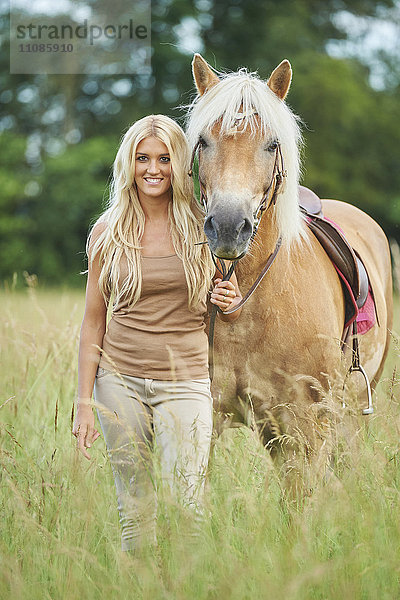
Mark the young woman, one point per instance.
(149, 369)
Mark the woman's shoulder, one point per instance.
(98, 228)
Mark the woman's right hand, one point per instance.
(83, 428)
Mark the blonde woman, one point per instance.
(149, 369)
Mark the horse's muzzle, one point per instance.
(228, 236)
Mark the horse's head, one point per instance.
(244, 133)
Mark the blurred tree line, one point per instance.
(59, 133)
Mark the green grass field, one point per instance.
(59, 531)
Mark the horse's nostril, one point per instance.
(240, 226)
(245, 229)
(209, 228)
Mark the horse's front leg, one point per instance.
(301, 434)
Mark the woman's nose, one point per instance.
(153, 167)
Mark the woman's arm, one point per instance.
(226, 295)
(92, 333)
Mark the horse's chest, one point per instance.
(256, 331)
(245, 351)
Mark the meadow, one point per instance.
(59, 529)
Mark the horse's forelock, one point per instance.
(241, 91)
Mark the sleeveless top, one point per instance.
(159, 337)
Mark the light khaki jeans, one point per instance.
(146, 418)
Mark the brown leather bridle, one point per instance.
(278, 174)
(268, 200)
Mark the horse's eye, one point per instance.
(273, 146)
(202, 142)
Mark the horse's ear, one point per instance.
(280, 79)
(203, 76)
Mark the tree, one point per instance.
(60, 132)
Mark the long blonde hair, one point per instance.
(125, 218)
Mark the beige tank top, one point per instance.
(159, 337)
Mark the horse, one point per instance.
(277, 364)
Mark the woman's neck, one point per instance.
(155, 209)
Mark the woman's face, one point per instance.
(152, 168)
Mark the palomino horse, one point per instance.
(280, 360)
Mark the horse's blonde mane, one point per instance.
(245, 92)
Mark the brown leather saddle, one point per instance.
(353, 276)
(348, 264)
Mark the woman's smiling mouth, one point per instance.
(153, 180)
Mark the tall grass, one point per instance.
(59, 529)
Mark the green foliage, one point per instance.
(72, 190)
(350, 135)
(49, 196)
(15, 219)
(46, 233)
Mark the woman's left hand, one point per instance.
(223, 294)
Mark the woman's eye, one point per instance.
(141, 158)
(273, 146)
(165, 159)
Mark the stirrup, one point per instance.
(370, 409)
(357, 367)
